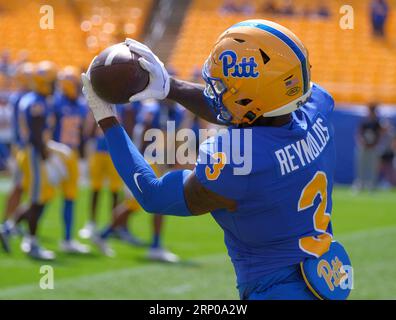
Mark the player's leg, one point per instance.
(41, 192)
(115, 182)
(157, 252)
(23, 178)
(15, 195)
(20, 214)
(120, 213)
(121, 218)
(13, 201)
(70, 189)
(21, 183)
(34, 250)
(7, 228)
(96, 171)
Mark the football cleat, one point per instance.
(25, 244)
(38, 253)
(162, 255)
(256, 68)
(73, 246)
(103, 247)
(88, 231)
(4, 239)
(124, 235)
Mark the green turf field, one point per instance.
(365, 223)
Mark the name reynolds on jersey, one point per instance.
(301, 153)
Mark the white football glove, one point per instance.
(55, 169)
(159, 84)
(99, 107)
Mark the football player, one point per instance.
(70, 113)
(275, 212)
(23, 80)
(42, 167)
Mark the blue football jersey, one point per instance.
(13, 101)
(136, 107)
(160, 114)
(282, 188)
(34, 105)
(69, 119)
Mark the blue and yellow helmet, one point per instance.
(256, 68)
(23, 75)
(69, 82)
(44, 77)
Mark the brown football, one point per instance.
(116, 74)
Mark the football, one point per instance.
(116, 74)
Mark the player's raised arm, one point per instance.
(177, 193)
(190, 95)
(161, 86)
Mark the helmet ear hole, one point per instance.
(265, 57)
(244, 102)
(250, 116)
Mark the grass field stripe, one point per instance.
(361, 233)
(85, 280)
(81, 283)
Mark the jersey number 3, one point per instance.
(316, 245)
(214, 172)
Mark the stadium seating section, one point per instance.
(350, 63)
(353, 65)
(78, 24)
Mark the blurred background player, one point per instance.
(35, 123)
(152, 115)
(369, 136)
(23, 80)
(70, 113)
(101, 171)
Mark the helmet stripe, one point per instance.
(297, 51)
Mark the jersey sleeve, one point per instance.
(320, 102)
(216, 171)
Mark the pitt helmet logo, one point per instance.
(243, 69)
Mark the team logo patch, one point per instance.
(245, 68)
(329, 277)
(293, 91)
